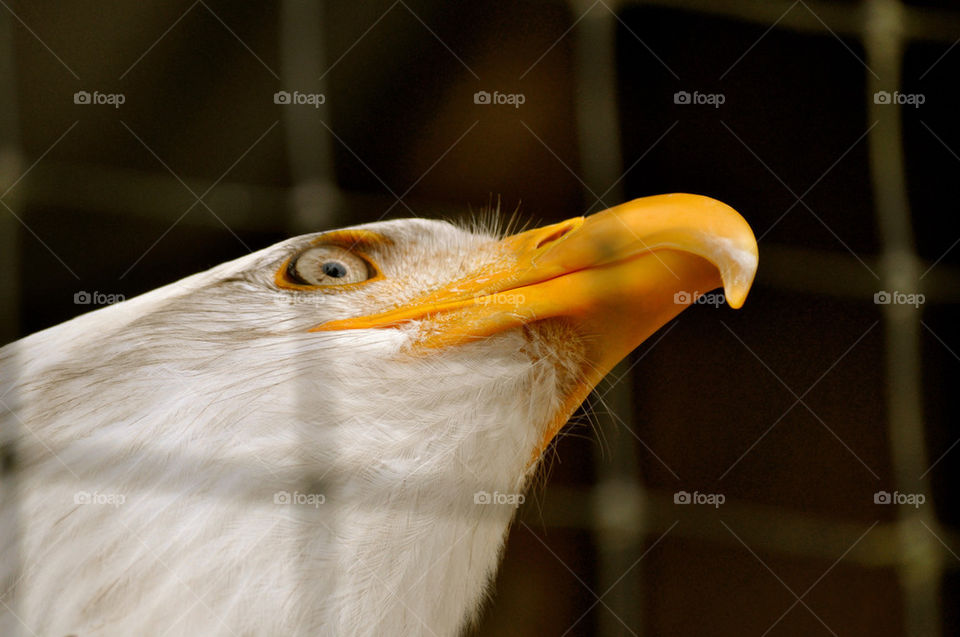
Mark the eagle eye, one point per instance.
(327, 265)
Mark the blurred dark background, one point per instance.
(798, 409)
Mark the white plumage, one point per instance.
(195, 461)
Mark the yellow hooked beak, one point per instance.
(616, 276)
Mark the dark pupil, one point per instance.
(334, 269)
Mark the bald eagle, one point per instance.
(328, 436)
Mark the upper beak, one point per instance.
(616, 276)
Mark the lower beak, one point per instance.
(616, 276)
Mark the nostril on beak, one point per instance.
(557, 233)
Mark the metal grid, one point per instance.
(883, 27)
(620, 509)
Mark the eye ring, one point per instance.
(327, 266)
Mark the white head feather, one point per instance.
(153, 442)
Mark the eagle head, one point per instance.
(330, 435)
